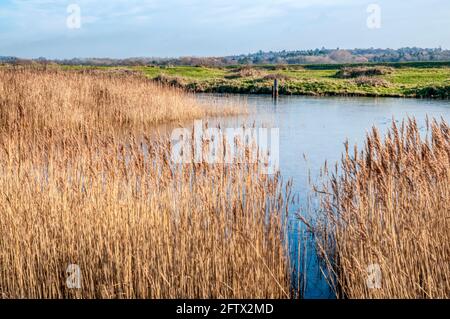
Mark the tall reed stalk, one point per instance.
(384, 231)
(82, 182)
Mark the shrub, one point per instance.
(354, 72)
(370, 81)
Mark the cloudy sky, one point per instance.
(167, 28)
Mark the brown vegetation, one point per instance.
(82, 182)
(245, 72)
(390, 206)
(371, 81)
(279, 76)
(95, 99)
(354, 72)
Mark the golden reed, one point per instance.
(82, 182)
(384, 230)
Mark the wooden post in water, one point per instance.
(275, 89)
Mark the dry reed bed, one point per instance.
(75, 190)
(389, 205)
(95, 100)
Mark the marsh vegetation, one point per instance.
(83, 183)
(389, 205)
(86, 180)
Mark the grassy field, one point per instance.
(405, 79)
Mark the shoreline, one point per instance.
(347, 80)
(315, 94)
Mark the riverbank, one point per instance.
(414, 80)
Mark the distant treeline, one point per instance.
(317, 56)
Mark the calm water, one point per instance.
(317, 128)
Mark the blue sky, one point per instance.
(132, 28)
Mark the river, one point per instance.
(312, 130)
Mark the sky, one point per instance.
(173, 28)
